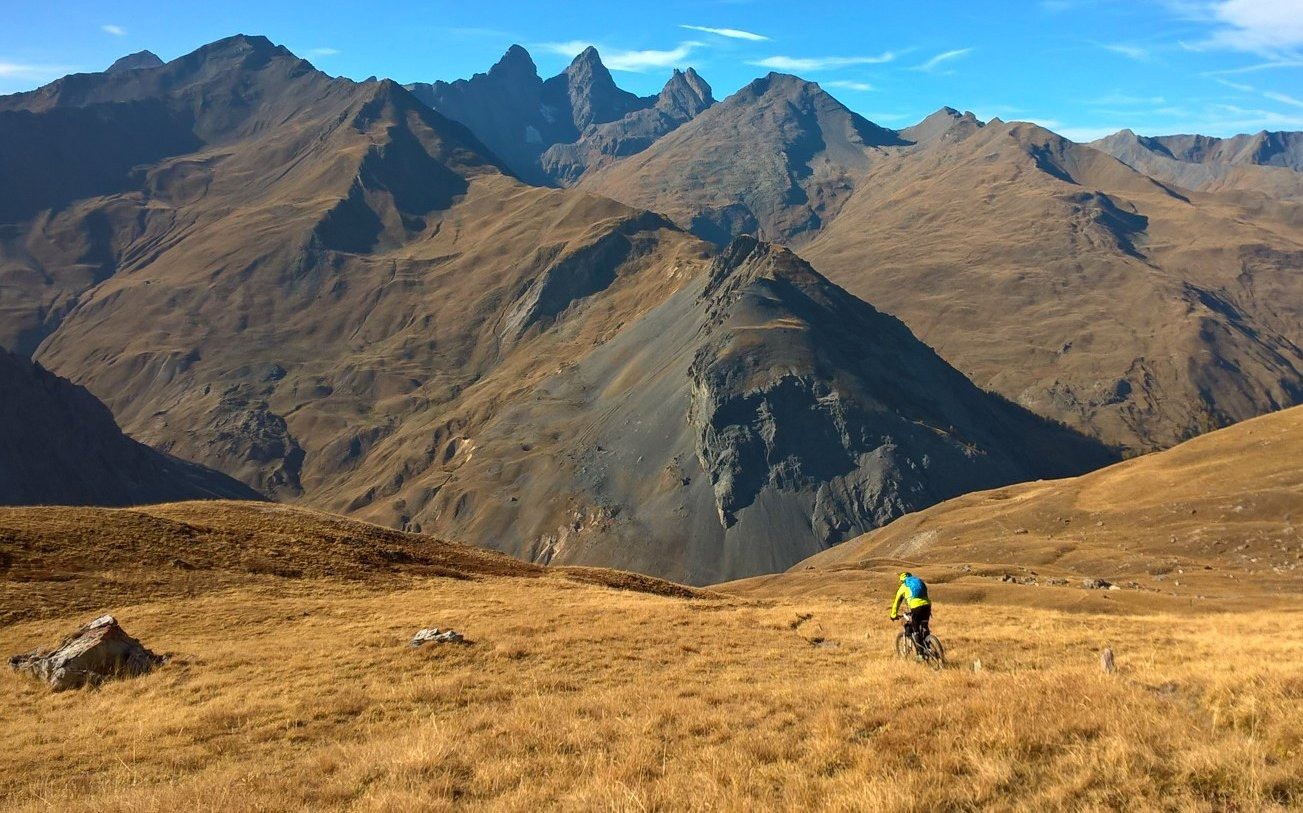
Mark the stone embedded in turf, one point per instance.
(434, 635)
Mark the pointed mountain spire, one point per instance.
(685, 95)
(516, 62)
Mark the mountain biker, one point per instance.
(913, 592)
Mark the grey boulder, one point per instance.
(94, 653)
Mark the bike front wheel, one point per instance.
(904, 646)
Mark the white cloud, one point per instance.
(1129, 51)
(941, 58)
(1261, 66)
(1283, 98)
(848, 85)
(820, 63)
(115, 30)
(1268, 27)
(889, 116)
(731, 33)
(1215, 119)
(323, 51)
(27, 70)
(628, 61)
(1234, 85)
(1125, 100)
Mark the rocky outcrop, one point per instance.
(97, 652)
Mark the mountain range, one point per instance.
(560, 320)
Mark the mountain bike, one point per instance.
(929, 651)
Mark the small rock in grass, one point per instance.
(434, 635)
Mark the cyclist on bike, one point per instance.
(913, 592)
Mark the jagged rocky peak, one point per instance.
(947, 120)
(588, 63)
(686, 93)
(774, 82)
(137, 61)
(239, 44)
(516, 62)
(592, 93)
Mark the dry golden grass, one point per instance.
(54, 561)
(292, 686)
(1220, 516)
(301, 694)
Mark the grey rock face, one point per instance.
(801, 389)
(98, 651)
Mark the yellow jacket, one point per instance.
(906, 593)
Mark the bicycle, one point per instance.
(930, 651)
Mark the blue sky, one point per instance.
(1081, 67)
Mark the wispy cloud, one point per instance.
(849, 85)
(731, 33)
(1125, 100)
(323, 51)
(29, 70)
(1214, 119)
(115, 30)
(820, 63)
(1129, 51)
(478, 31)
(1282, 98)
(940, 59)
(627, 61)
(1243, 88)
(1271, 28)
(1275, 64)
(890, 116)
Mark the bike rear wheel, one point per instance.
(935, 654)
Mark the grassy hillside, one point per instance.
(1220, 516)
(294, 689)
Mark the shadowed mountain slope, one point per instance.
(60, 446)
